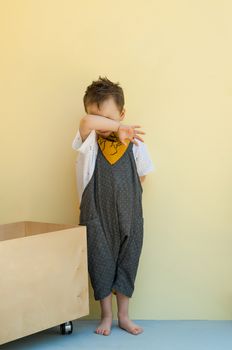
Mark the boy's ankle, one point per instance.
(107, 315)
(122, 315)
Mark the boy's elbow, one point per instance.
(85, 121)
(86, 124)
(89, 121)
(142, 178)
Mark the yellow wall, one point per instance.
(173, 59)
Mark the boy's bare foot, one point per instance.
(129, 326)
(105, 326)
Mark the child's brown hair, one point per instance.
(102, 89)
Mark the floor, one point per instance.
(157, 335)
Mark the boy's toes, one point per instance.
(137, 330)
(98, 330)
(102, 331)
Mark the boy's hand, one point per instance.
(129, 132)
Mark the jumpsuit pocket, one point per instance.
(140, 185)
(140, 235)
(86, 221)
(142, 221)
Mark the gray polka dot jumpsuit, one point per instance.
(111, 209)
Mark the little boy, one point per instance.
(112, 161)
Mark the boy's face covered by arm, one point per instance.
(110, 117)
(107, 119)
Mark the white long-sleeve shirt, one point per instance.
(87, 155)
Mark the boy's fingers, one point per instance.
(140, 138)
(135, 142)
(139, 132)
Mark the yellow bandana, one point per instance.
(112, 148)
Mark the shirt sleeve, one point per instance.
(83, 147)
(143, 159)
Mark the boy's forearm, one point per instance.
(98, 122)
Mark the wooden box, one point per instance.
(43, 277)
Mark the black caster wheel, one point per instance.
(66, 328)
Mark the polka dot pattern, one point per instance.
(111, 209)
